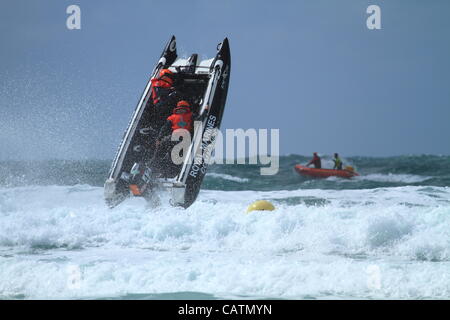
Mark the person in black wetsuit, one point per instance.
(165, 93)
(316, 161)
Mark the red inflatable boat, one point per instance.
(325, 173)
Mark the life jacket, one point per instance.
(338, 163)
(317, 162)
(181, 118)
(161, 87)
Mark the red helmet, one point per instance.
(182, 107)
(167, 76)
(166, 72)
(183, 103)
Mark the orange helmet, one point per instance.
(183, 103)
(165, 72)
(167, 76)
(182, 107)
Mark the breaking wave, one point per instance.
(62, 242)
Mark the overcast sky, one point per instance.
(309, 68)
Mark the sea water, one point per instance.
(382, 235)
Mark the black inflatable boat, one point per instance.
(205, 83)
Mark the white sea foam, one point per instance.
(227, 177)
(379, 177)
(390, 177)
(63, 242)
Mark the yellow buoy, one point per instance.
(261, 205)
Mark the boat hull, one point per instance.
(324, 173)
